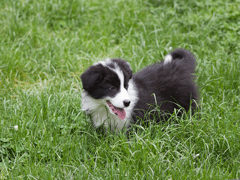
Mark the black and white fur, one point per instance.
(115, 98)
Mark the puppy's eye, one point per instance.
(112, 88)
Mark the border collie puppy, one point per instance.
(115, 98)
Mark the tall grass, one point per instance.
(46, 45)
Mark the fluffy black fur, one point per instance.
(167, 85)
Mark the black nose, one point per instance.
(126, 103)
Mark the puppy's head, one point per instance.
(108, 82)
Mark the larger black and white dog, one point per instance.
(115, 98)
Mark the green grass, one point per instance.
(46, 45)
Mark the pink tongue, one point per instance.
(118, 111)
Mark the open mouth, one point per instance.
(120, 112)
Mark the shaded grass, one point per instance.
(46, 45)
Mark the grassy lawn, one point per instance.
(47, 44)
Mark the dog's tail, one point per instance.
(183, 56)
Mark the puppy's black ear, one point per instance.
(125, 67)
(92, 77)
